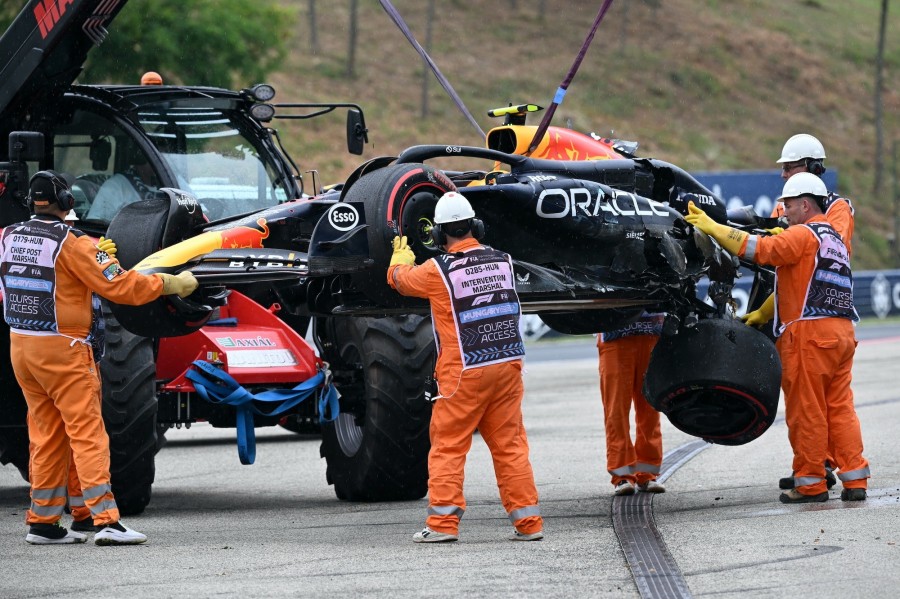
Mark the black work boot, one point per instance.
(788, 481)
(853, 495)
(795, 496)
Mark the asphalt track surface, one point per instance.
(274, 529)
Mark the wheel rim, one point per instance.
(423, 232)
(417, 213)
(349, 435)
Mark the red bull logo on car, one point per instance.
(246, 237)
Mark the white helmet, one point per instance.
(800, 146)
(452, 207)
(803, 184)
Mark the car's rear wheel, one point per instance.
(399, 199)
(377, 449)
(719, 380)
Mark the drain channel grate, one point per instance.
(654, 570)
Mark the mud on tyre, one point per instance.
(377, 449)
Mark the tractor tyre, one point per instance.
(377, 448)
(14, 448)
(128, 371)
(13, 411)
(719, 380)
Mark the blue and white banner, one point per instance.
(754, 188)
(876, 293)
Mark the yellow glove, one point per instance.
(775, 230)
(729, 238)
(183, 284)
(402, 254)
(107, 245)
(761, 315)
(700, 220)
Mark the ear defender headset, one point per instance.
(64, 198)
(439, 232)
(815, 166)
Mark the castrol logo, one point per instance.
(343, 217)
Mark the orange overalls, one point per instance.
(75, 494)
(839, 214)
(816, 358)
(53, 362)
(624, 356)
(486, 398)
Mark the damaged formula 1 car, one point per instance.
(595, 241)
(597, 236)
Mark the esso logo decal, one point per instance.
(343, 217)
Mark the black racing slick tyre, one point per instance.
(377, 448)
(719, 380)
(399, 200)
(128, 371)
(142, 228)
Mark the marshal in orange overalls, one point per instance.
(817, 358)
(624, 357)
(839, 214)
(487, 398)
(55, 366)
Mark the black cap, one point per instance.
(43, 189)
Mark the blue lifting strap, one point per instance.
(218, 387)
